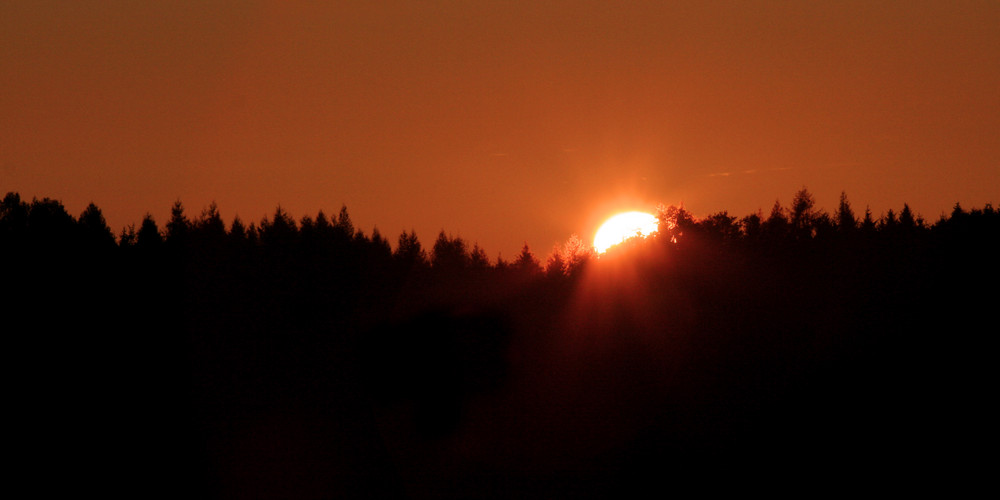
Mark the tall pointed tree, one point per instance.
(526, 262)
(802, 215)
(846, 221)
(149, 236)
(409, 253)
(178, 226)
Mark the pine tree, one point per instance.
(94, 228)
(526, 262)
(846, 221)
(178, 225)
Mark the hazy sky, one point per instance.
(498, 121)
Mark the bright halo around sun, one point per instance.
(623, 226)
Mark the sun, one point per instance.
(623, 226)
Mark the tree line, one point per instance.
(304, 357)
(45, 223)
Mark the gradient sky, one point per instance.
(501, 122)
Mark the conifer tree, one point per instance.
(845, 216)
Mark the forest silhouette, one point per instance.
(306, 359)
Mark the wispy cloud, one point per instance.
(747, 172)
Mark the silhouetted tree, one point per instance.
(802, 214)
(253, 234)
(239, 244)
(751, 226)
(50, 226)
(94, 228)
(323, 226)
(409, 253)
(11, 206)
(720, 226)
(178, 226)
(279, 231)
(307, 228)
(360, 240)
(673, 221)
(526, 262)
(237, 231)
(380, 246)
(907, 222)
(846, 222)
(149, 236)
(13, 220)
(449, 254)
(823, 225)
(555, 266)
(344, 228)
(957, 212)
(127, 237)
(502, 266)
(576, 255)
(210, 225)
(868, 223)
(888, 223)
(776, 225)
(478, 260)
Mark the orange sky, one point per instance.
(498, 121)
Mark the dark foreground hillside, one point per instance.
(308, 360)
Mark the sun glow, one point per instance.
(623, 226)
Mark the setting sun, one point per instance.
(623, 226)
